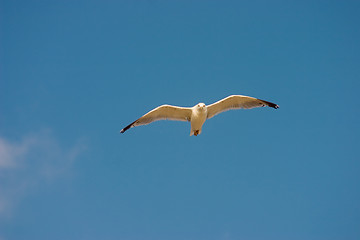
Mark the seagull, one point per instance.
(198, 114)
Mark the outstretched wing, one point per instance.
(236, 102)
(164, 112)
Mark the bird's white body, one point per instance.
(198, 114)
(198, 118)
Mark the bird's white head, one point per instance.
(200, 106)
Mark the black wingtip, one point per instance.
(127, 127)
(270, 104)
(273, 105)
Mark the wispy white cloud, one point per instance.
(11, 153)
(34, 159)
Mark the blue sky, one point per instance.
(73, 73)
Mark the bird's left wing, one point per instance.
(164, 112)
(236, 102)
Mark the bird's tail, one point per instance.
(195, 132)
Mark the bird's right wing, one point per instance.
(236, 102)
(164, 112)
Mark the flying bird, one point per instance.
(198, 114)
